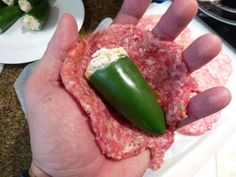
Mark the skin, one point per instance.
(62, 143)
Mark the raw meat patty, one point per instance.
(163, 68)
(215, 73)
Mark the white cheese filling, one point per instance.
(102, 58)
(24, 5)
(30, 22)
(9, 2)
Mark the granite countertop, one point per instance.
(15, 153)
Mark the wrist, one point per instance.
(35, 171)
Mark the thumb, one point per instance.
(64, 38)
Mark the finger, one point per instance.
(176, 18)
(64, 38)
(201, 51)
(206, 103)
(35, 171)
(131, 11)
(142, 159)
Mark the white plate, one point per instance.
(189, 153)
(20, 46)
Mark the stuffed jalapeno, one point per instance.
(8, 16)
(116, 78)
(28, 5)
(37, 17)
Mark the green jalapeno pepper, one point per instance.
(2, 4)
(8, 16)
(37, 17)
(123, 86)
(28, 5)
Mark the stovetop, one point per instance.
(227, 32)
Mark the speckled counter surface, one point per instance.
(15, 153)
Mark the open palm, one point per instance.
(63, 144)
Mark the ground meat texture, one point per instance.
(215, 73)
(162, 67)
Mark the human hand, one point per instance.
(62, 143)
